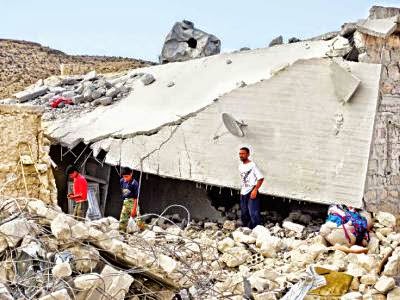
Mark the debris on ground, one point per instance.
(58, 256)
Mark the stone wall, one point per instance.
(383, 180)
(21, 125)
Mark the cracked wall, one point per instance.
(21, 126)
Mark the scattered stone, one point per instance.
(228, 61)
(170, 84)
(147, 79)
(386, 219)
(28, 95)
(276, 41)
(385, 284)
(241, 84)
(235, 256)
(102, 101)
(112, 92)
(244, 49)
(340, 46)
(293, 226)
(87, 281)
(394, 294)
(12, 233)
(229, 225)
(92, 75)
(62, 270)
(57, 295)
(294, 40)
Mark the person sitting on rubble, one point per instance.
(251, 181)
(129, 196)
(346, 227)
(80, 191)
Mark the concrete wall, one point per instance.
(383, 179)
(23, 125)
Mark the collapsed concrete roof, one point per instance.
(309, 144)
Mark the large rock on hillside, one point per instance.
(185, 42)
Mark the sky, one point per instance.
(137, 29)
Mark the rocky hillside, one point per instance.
(23, 63)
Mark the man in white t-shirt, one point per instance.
(251, 181)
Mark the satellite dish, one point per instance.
(234, 126)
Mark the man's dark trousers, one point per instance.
(250, 211)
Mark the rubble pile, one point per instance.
(47, 254)
(64, 94)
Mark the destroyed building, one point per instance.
(321, 117)
(314, 118)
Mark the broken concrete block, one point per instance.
(345, 84)
(114, 285)
(276, 41)
(385, 284)
(235, 256)
(87, 281)
(265, 296)
(62, 270)
(92, 75)
(386, 219)
(392, 267)
(381, 28)
(240, 237)
(28, 95)
(60, 228)
(293, 226)
(57, 295)
(185, 42)
(147, 79)
(167, 263)
(225, 244)
(112, 92)
(13, 232)
(258, 283)
(270, 246)
(340, 46)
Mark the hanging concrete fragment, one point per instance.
(345, 84)
(381, 28)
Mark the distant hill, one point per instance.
(22, 63)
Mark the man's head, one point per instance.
(127, 174)
(244, 154)
(72, 171)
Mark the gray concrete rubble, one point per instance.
(381, 28)
(276, 41)
(185, 42)
(210, 261)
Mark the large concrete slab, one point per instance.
(309, 146)
(379, 27)
(197, 84)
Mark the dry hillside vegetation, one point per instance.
(23, 63)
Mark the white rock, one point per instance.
(386, 219)
(114, 284)
(352, 296)
(385, 284)
(293, 226)
(235, 257)
(394, 294)
(13, 232)
(60, 228)
(258, 283)
(369, 279)
(62, 270)
(340, 46)
(265, 296)
(392, 267)
(149, 236)
(87, 281)
(167, 263)
(147, 79)
(57, 295)
(225, 244)
(270, 246)
(240, 237)
(92, 75)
